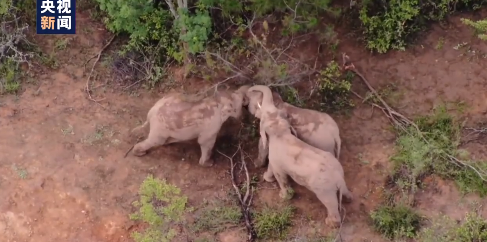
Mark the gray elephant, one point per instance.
(176, 118)
(315, 128)
(315, 169)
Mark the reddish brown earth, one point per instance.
(78, 186)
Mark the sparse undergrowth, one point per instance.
(472, 229)
(392, 24)
(480, 27)
(400, 221)
(161, 206)
(420, 152)
(334, 88)
(12, 37)
(418, 157)
(273, 222)
(395, 222)
(216, 217)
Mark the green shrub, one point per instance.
(194, 29)
(479, 26)
(9, 82)
(143, 22)
(390, 24)
(443, 228)
(160, 206)
(394, 222)
(420, 155)
(334, 88)
(273, 222)
(13, 39)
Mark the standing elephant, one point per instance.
(175, 118)
(313, 127)
(315, 169)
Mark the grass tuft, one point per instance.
(161, 205)
(273, 222)
(395, 222)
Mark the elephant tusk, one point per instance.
(258, 104)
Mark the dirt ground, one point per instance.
(63, 176)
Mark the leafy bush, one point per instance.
(390, 24)
(273, 222)
(12, 38)
(194, 29)
(334, 88)
(394, 222)
(8, 77)
(443, 228)
(416, 157)
(143, 22)
(160, 206)
(479, 26)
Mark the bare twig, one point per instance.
(400, 121)
(244, 200)
(87, 87)
(338, 237)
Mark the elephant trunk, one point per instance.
(267, 98)
(243, 89)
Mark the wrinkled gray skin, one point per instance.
(315, 169)
(175, 118)
(315, 128)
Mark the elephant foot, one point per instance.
(138, 152)
(207, 163)
(269, 177)
(333, 221)
(259, 162)
(347, 197)
(286, 194)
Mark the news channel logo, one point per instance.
(56, 17)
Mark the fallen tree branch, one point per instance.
(245, 200)
(400, 121)
(87, 87)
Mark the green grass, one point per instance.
(395, 222)
(334, 89)
(443, 228)
(160, 206)
(273, 222)
(429, 153)
(9, 77)
(217, 218)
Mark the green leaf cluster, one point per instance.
(390, 24)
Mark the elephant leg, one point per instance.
(347, 195)
(269, 174)
(329, 199)
(282, 180)
(206, 145)
(263, 152)
(152, 140)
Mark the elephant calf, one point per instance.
(315, 169)
(315, 128)
(175, 118)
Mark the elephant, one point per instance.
(313, 127)
(177, 117)
(317, 170)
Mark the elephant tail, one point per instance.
(141, 127)
(267, 98)
(338, 144)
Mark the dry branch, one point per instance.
(87, 87)
(400, 121)
(244, 200)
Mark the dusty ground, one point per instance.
(63, 176)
